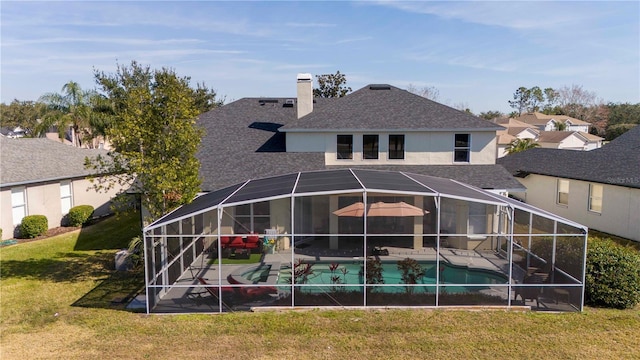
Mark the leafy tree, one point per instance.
(519, 145)
(551, 98)
(536, 97)
(205, 98)
(22, 113)
(491, 115)
(520, 100)
(429, 92)
(331, 86)
(560, 126)
(155, 136)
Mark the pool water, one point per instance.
(351, 273)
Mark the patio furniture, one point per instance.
(237, 243)
(224, 241)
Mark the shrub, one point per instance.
(79, 215)
(33, 225)
(612, 275)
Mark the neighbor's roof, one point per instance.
(537, 118)
(27, 160)
(554, 136)
(242, 142)
(616, 163)
(386, 107)
(341, 181)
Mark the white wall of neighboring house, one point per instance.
(421, 148)
(620, 205)
(575, 127)
(571, 142)
(49, 199)
(527, 134)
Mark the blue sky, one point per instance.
(475, 53)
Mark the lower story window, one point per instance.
(18, 204)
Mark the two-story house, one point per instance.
(379, 127)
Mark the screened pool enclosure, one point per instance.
(361, 238)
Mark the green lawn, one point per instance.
(60, 298)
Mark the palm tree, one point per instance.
(519, 145)
(560, 126)
(71, 109)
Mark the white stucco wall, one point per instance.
(421, 148)
(44, 199)
(620, 205)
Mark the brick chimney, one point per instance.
(305, 94)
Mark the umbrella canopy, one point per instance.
(381, 209)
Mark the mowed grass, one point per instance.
(57, 301)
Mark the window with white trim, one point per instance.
(563, 192)
(253, 217)
(462, 148)
(18, 204)
(595, 197)
(66, 196)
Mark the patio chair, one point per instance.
(531, 292)
(225, 241)
(237, 243)
(227, 291)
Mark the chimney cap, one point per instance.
(304, 77)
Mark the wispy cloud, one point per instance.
(310, 25)
(350, 40)
(94, 40)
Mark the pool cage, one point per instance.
(361, 238)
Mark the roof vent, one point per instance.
(380, 87)
(288, 103)
(267, 101)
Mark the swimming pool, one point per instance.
(352, 274)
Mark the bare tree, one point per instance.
(429, 92)
(578, 102)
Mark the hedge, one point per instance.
(79, 215)
(33, 225)
(612, 275)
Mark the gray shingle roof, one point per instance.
(394, 109)
(242, 142)
(616, 163)
(27, 160)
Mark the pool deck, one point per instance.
(188, 295)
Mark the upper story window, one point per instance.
(396, 146)
(462, 148)
(370, 146)
(345, 147)
(563, 192)
(595, 198)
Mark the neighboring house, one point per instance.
(514, 130)
(599, 188)
(42, 177)
(98, 142)
(12, 133)
(378, 127)
(569, 140)
(550, 122)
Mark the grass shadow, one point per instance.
(110, 233)
(114, 292)
(71, 267)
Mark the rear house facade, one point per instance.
(379, 198)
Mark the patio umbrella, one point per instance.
(381, 209)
